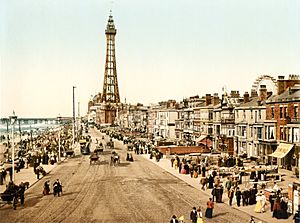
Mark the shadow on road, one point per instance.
(122, 165)
(220, 214)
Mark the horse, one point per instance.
(115, 159)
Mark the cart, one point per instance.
(94, 158)
(12, 196)
(99, 149)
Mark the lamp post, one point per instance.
(73, 116)
(13, 119)
(59, 118)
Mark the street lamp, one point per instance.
(59, 118)
(73, 117)
(13, 119)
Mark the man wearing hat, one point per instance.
(174, 219)
(193, 215)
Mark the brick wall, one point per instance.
(281, 121)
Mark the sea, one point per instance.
(25, 128)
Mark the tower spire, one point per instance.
(110, 92)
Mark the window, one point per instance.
(271, 132)
(259, 133)
(285, 112)
(251, 114)
(218, 130)
(281, 133)
(296, 114)
(281, 112)
(237, 113)
(244, 114)
(244, 132)
(272, 112)
(259, 114)
(210, 115)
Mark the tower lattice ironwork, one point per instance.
(110, 93)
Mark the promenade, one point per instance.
(165, 164)
(28, 175)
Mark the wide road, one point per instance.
(131, 192)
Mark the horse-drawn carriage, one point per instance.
(70, 153)
(94, 158)
(99, 149)
(110, 144)
(13, 194)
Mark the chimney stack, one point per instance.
(234, 94)
(207, 99)
(280, 85)
(254, 93)
(283, 85)
(216, 99)
(262, 93)
(246, 97)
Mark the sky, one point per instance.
(165, 49)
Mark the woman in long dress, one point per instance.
(258, 205)
(209, 209)
(199, 216)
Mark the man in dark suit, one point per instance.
(193, 215)
(174, 219)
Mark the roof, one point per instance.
(291, 94)
(253, 103)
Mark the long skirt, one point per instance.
(208, 213)
(258, 207)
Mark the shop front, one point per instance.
(284, 155)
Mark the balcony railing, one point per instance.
(294, 121)
(227, 120)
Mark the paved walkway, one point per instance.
(28, 175)
(195, 182)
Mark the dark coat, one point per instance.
(193, 216)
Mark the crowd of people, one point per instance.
(210, 177)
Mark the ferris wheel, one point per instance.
(269, 81)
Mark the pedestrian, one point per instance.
(258, 205)
(209, 208)
(193, 215)
(57, 188)
(251, 220)
(238, 195)
(214, 193)
(272, 198)
(230, 195)
(203, 182)
(174, 219)
(181, 219)
(22, 192)
(199, 216)
(275, 187)
(210, 181)
(297, 215)
(263, 202)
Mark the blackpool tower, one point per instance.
(110, 93)
(110, 99)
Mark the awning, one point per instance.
(200, 138)
(282, 150)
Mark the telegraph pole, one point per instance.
(73, 116)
